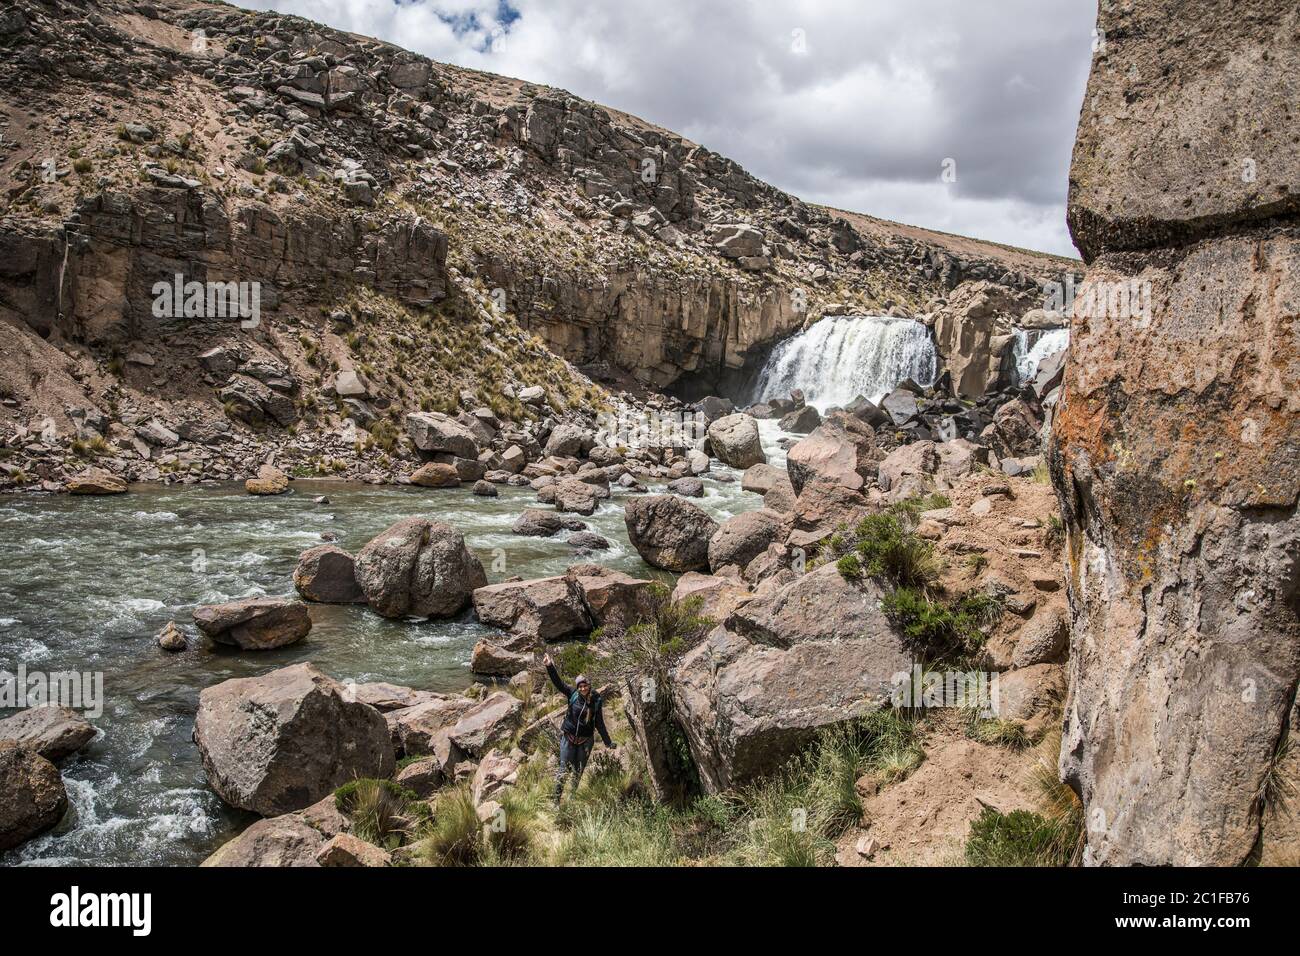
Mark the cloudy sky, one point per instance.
(852, 103)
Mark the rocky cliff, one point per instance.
(148, 140)
(1177, 445)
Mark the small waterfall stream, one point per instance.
(1032, 346)
(842, 357)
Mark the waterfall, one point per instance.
(1034, 345)
(842, 357)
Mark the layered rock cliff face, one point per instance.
(145, 140)
(1176, 450)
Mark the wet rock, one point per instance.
(53, 732)
(327, 575)
(171, 638)
(436, 474)
(269, 481)
(735, 441)
(669, 532)
(32, 796)
(418, 567)
(537, 523)
(254, 624)
(687, 487)
(485, 489)
(96, 481)
(282, 741)
(588, 541)
(801, 421)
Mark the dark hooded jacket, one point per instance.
(582, 717)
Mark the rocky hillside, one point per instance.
(399, 219)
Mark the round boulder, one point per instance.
(278, 743)
(735, 441)
(418, 567)
(669, 532)
(254, 624)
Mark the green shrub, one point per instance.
(378, 808)
(995, 730)
(939, 630)
(1018, 838)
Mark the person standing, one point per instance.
(583, 718)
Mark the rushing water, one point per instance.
(842, 357)
(1032, 346)
(86, 583)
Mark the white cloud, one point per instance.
(859, 114)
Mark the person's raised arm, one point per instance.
(554, 675)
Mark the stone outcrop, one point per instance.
(418, 567)
(841, 449)
(254, 624)
(280, 742)
(535, 611)
(1176, 446)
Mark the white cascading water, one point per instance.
(1033, 346)
(842, 357)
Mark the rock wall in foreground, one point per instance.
(1176, 451)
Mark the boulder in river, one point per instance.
(669, 532)
(418, 567)
(841, 449)
(735, 441)
(32, 796)
(327, 575)
(280, 742)
(96, 481)
(436, 474)
(539, 523)
(269, 481)
(53, 732)
(743, 537)
(254, 624)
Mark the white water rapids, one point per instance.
(1033, 346)
(842, 357)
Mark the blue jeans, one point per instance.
(572, 757)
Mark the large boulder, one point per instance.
(743, 537)
(538, 523)
(269, 481)
(1174, 143)
(801, 420)
(490, 722)
(542, 609)
(760, 478)
(436, 474)
(842, 449)
(418, 567)
(280, 742)
(816, 652)
(568, 440)
(972, 332)
(433, 432)
(53, 732)
(492, 660)
(425, 728)
(669, 532)
(1174, 446)
(286, 840)
(327, 575)
(32, 796)
(612, 597)
(254, 624)
(96, 481)
(736, 442)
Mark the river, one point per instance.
(86, 583)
